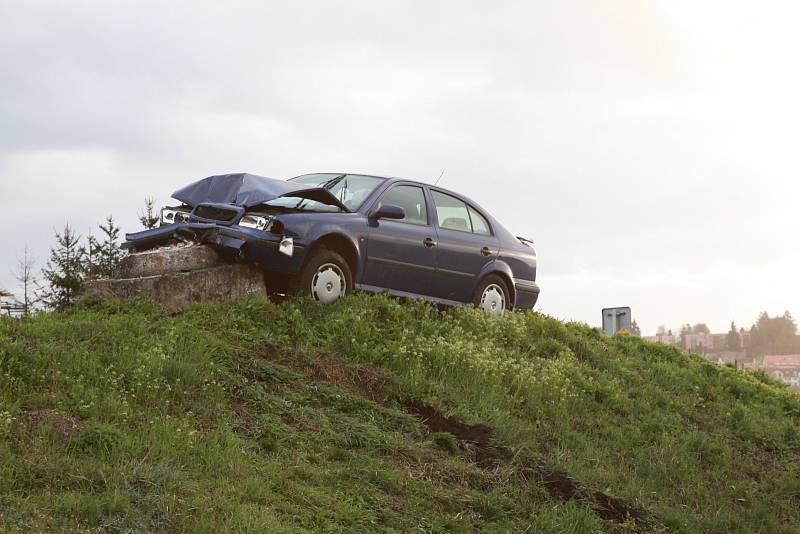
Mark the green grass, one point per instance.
(254, 417)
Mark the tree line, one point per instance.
(768, 335)
(71, 263)
(774, 335)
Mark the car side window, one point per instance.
(451, 212)
(479, 223)
(409, 197)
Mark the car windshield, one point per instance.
(351, 190)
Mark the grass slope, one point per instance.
(375, 415)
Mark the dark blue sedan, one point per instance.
(327, 234)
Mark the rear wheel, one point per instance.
(492, 295)
(325, 276)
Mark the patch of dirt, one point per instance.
(364, 381)
(436, 422)
(561, 486)
(63, 425)
(613, 509)
(475, 440)
(367, 382)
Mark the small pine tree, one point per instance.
(64, 271)
(149, 218)
(104, 256)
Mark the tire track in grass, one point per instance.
(371, 383)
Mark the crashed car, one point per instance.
(327, 234)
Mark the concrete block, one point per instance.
(173, 259)
(177, 290)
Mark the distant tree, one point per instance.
(635, 330)
(24, 275)
(64, 272)
(104, 256)
(733, 341)
(700, 328)
(661, 330)
(774, 335)
(149, 218)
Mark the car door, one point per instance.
(401, 254)
(465, 246)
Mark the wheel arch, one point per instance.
(340, 244)
(502, 270)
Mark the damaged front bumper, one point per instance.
(271, 251)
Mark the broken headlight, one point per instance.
(255, 221)
(174, 215)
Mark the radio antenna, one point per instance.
(439, 178)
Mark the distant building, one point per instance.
(785, 368)
(716, 343)
(666, 339)
(713, 346)
(744, 336)
(702, 343)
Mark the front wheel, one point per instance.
(492, 296)
(325, 276)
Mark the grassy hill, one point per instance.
(375, 415)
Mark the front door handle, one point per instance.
(430, 243)
(486, 251)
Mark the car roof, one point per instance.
(392, 179)
(372, 175)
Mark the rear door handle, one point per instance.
(486, 251)
(429, 242)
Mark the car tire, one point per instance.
(492, 295)
(325, 276)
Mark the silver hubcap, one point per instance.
(493, 301)
(328, 283)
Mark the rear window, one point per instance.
(479, 223)
(454, 214)
(451, 212)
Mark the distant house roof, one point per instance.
(783, 360)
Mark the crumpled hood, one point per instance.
(247, 190)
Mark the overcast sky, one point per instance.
(649, 148)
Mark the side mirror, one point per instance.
(388, 211)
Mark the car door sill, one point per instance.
(406, 294)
